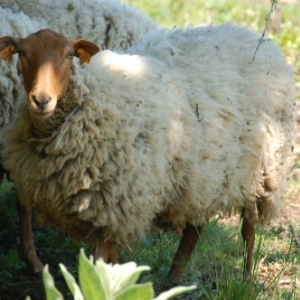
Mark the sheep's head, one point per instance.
(46, 59)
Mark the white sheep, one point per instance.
(111, 24)
(108, 23)
(185, 125)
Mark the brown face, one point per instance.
(46, 70)
(45, 60)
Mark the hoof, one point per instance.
(33, 264)
(34, 267)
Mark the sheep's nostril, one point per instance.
(40, 103)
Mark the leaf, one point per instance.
(72, 284)
(12, 258)
(104, 272)
(175, 291)
(147, 278)
(90, 282)
(126, 275)
(51, 292)
(137, 291)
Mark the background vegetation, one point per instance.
(217, 262)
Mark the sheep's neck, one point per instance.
(45, 127)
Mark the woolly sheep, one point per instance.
(110, 24)
(185, 125)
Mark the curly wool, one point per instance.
(108, 23)
(184, 126)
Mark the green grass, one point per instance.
(216, 265)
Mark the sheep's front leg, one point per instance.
(248, 234)
(186, 247)
(106, 250)
(27, 251)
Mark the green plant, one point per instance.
(106, 282)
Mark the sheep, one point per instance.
(108, 23)
(183, 126)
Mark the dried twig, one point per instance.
(264, 32)
(297, 242)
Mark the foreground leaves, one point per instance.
(103, 281)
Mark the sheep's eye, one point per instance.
(70, 55)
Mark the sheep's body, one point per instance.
(108, 23)
(185, 125)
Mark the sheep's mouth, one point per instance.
(42, 113)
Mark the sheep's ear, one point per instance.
(84, 50)
(7, 47)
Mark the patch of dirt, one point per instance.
(25, 286)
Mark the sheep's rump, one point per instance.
(110, 24)
(184, 126)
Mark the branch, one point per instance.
(264, 32)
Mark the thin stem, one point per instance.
(264, 32)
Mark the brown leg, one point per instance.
(27, 250)
(106, 250)
(187, 245)
(248, 233)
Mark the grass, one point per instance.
(216, 266)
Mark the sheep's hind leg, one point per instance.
(186, 247)
(27, 251)
(248, 234)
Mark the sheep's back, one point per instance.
(110, 24)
